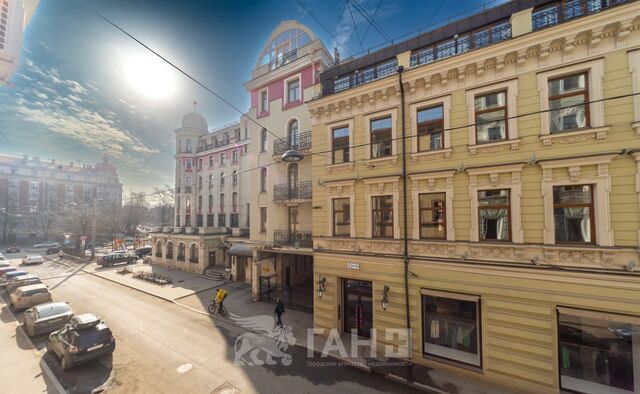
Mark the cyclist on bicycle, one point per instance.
(221, 294)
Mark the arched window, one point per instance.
(210, 180)
(210, 202)
(181, 251)
(294, 136)
(263, 140)
(193, 258)
(263, 180)
(221, 202)
(234, 202)
(178, 183)
(159, 249)
(235, 177)
(293, 175)
(169, 250)
(199, 182)
(221, 179)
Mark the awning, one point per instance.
(241, 250)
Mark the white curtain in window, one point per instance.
(557, 117)
(581, 214)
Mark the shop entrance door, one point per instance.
(358, 307)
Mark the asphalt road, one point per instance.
(165, 348)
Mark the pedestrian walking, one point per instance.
(279, 311)
(60, 254)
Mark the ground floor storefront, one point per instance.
(531, 329)
(189, 252)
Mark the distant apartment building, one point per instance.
(211, 196)
(285, 76)
(30, 186)
(510, 244)
(14, 18)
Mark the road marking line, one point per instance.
(184, 368)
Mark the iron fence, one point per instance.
(296, 141)
(292, 191)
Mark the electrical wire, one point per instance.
(367, 17)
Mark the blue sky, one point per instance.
(77, 93)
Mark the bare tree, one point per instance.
(135, 212)
(163, 207)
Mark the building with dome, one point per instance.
(210, 208)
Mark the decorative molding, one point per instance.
(370, 163)
(433, 182)
(574, 137)
(493, 147)
(432, 155)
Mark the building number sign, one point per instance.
(353, 266)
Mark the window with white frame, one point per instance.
(494, 212)
(432, 213)
(293, 90)
(451, 326)
(573, 214)
(340, 145)
(598, 351)
(264, 101)
(382, 216)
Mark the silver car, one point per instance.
(11, 274)
(20, 281)
(28, 296)
(46, 318)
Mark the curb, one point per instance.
(43, 365)
(347, 362)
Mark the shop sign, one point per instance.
(353, 266)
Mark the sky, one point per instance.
(84, 89)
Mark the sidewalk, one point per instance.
(22, 370)
(195, 292)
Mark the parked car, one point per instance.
(11, 274)
(85, 338)
(141, 252)
(32, 259)
(53, 250)
(3, 261)
(46, 318)
(4, 270)
(28, 296)
(48, 244)
(117, 258)
(22, 280)
(12, 249)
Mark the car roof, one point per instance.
(50, 305)
(86, 319)
(34, 255)
(27, 277)
(33, 287)
(16, 272)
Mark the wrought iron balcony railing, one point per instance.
(553, 14)
(297, 141)
(284, 59)
(296, 239)
(292, 191)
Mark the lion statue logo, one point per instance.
(266, 339)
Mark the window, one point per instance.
(193, 257)
(491, 117)
(573, 213)
(210, 220)
(494, 215)
(199, 220)
(264, 104)
(221, 179)
(234, 202)
(189, 146)
(341, 217)
(199, 164)
(234, 177)
(199, 203)
(263, 180)
(234, 157)
(263, 140)
(382, 217)
(598, 351)
(567, 100)
(222, 222)
(199, 182)
(210, 202)
(340, 145)
(221, 202)
(181, 251)
(210, 181)
(263, 219)
(178, 202)
(187, 220)
(432, 216)
(211, 161)
(451, 326)
(430, 122)
(188, 200)
(223, 158)
(294, 135)
(293, 90)
(188, 164)
(381, 137)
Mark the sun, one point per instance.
(150, 75)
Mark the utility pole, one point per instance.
(93, 229)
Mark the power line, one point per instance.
(322, 25)
(355, 27)
(375, 13)
(367, 17)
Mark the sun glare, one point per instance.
(150, 75)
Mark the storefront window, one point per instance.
(451, 326)
(597, 351)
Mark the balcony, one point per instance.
(284, 59)
(214, 145)
(301, 141)
(296, 239)
(560, 12)
(295, 191)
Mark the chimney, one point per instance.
(336, 55)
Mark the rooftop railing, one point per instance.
(556, 13)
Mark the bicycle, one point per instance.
(213, 309)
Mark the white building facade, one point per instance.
(14, 18)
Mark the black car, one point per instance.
(53, 250)
(141, 252)
(84, 338)
(117, 258)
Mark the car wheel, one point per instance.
(66, 363)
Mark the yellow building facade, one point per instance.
(522, 190)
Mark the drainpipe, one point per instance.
(404, 208)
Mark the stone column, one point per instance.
(256, 267)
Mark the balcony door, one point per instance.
(294, 135)
(293, 223)
(293, 179)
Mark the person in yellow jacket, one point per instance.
(221, 294)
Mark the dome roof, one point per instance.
(194, 121)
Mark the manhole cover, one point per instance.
(226, 388)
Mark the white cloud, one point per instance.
(76, 87)
(42, 96)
